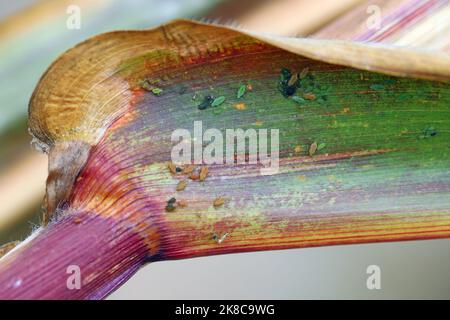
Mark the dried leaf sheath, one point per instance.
(381, 172)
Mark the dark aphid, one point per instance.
(428, 132)
(288, 83)
(178, 169)
(206, 103)
(171, 204)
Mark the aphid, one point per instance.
(144, 84)
(207, 101)
(240, 106)
(178, 169)
(203, 173)
(157, 91)
(77, 220)
(241, 91)
(309, 96)
(171, 204)
(218, 202)
(181, 185)
(321, 146)
(298, 100)
(283, 84)
(249, 87)
(312, 148)
(172, 200)
(428, 132)
(298, 149)
(377, 87)
(172, 167)
(293, 80)
(218, 101)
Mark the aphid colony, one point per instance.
(193, 173)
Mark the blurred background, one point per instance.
(34, 32)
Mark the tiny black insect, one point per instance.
(206, 103)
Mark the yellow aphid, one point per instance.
(309, 96)
(240, 106)
(203, 173)
(293, 79)
(218, 202)
(181, 185)
(172, 167)
(298, 149)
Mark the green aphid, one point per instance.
(157, 91)
(377, 87)
(428, 132)
(298, 100)
(241, 91)
(218, 101)
(321, 146)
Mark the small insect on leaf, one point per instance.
(240, 106)
(218, 202)
(207, 101)
(181, 185)
(172, 168)
(309, 96)
(298, 100)
(241, 91)
(203, 173)
(293, 79)
(218, 101)
(157, 91)
(312, 149)
(321, 146)
(377, 87)
(171, 204)
(428, 132)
